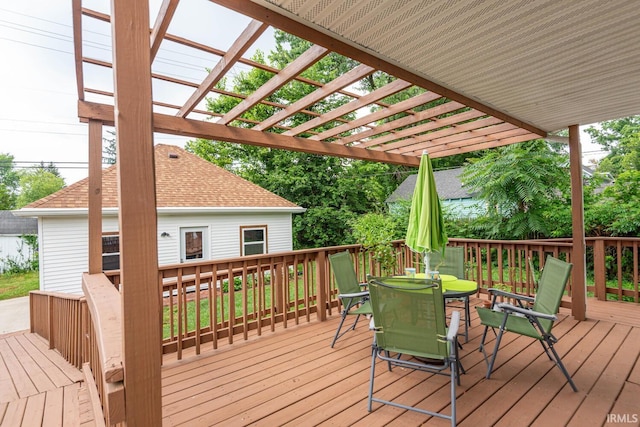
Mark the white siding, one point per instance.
(64, 242)
(224, 233)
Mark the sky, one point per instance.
(38, 114)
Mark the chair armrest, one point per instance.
(520, 297)
(514, 309)
(452, 333)
(354, 295)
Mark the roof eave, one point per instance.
(42, 212)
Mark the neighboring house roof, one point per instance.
(183, 180)
(448, 186)
(11, 224)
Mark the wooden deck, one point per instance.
(292, 377)
(38, 387)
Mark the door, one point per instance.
(193, 244)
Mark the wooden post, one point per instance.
(321, 284)
(279, 288)
(95, 197)
(599, 270)
(137, 209)
(579, 289)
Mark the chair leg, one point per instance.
(371, 376)
(455, 378)
(546, 349)
(337, 335)
(560, 365)
(484, 336)
(497, 346)
(467, 319)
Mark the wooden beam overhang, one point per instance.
(164, 123)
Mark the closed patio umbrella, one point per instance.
(425, 232)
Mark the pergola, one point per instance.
(504, 71)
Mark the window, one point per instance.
(254, 240)
(193, 243)
(110, 252)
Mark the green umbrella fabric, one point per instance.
(426, 232)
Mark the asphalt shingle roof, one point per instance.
(182, 180)
(448, 186)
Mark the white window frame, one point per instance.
(263, 242)
(205, 243)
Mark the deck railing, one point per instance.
(298, 286)
(103, 346)
(615, 268)
(87, 331)
(59, 318)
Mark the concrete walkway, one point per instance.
(14, 315)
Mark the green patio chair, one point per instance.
(352, 295)
(410, 331)
(535, 321)
(453, 264)
(534, 273)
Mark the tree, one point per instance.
(109, 149)
(9, 180)
(518, 183)
(36, 184)
(622, 139)
(334, 191)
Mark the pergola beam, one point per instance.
(407, 121)
(200, 129)
(301, 63)
(397, 108)
(370, 98)
(320, 93)
(167, 9)
(253, 31)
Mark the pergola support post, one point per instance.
(95, 196)
(579, 287)
(137, 212)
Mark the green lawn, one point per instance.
(204, 309)
(18, 285)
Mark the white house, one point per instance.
(204, 212)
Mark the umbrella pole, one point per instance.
(426, 258)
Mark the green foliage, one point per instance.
(622, 139)
(375, 232)
(518, 183)
(109, 148)
(9, 180)
(237, 285)
(617, 211)
(36, 184)
(22, 263)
